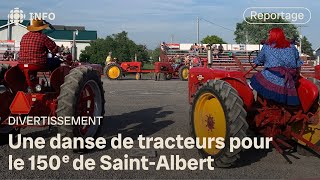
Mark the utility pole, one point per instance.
(172, 38)
(74, 46)
(8, 30)
(247, 40)
(300, 39)
(198, 30)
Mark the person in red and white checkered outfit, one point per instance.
(35, 46)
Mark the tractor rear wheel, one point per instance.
(217, 111)
(81, 95)
(184, 73)
(113, 71)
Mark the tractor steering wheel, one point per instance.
(254, 66)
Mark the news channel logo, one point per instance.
(17, 16)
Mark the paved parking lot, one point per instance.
(159, 109)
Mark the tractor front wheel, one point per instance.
(113, 71)
(138, 76)
(184, 73)
(217, 111)
(168, 76)
(81, 95)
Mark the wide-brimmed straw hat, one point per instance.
(37, 25)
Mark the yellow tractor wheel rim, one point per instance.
(209, 120)
(312, 132)
(185, 73)
(114, 72)
(138, 76)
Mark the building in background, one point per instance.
(11, 34)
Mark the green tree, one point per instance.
(306, 46)
(213, 39)
(122, 48)
(154, 54)
(255, 33)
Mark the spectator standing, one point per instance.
(62, 48)
(220, 48)
(67, 50)
(187, 60)
(215, 51)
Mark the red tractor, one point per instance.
(115, 71)
(72, 89)
(181, 68)
(224, 105)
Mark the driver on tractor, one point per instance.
(35, 46)
(282, 64)
(108, 59)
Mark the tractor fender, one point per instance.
(244, 90)
(163, 67)
(57, 77)
(96, 67)
(308, 93)
(15, 79)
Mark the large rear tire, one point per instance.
(113, 71)
(184, 73)
(217, 111)
(81, 94)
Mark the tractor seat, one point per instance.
(32, 67)
(30, 70)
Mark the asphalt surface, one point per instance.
(156, 109)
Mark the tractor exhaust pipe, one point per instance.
(209, 49)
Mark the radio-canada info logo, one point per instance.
(17, 15)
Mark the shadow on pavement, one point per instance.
(145, 122)
(251, 156)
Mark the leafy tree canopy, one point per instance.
(122, 48)
(255, 33)
(213, 39)
(306, 46)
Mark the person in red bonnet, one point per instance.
(35, 46)
(282, 64)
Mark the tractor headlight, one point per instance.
(38, 88)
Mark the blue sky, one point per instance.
(150, 22)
